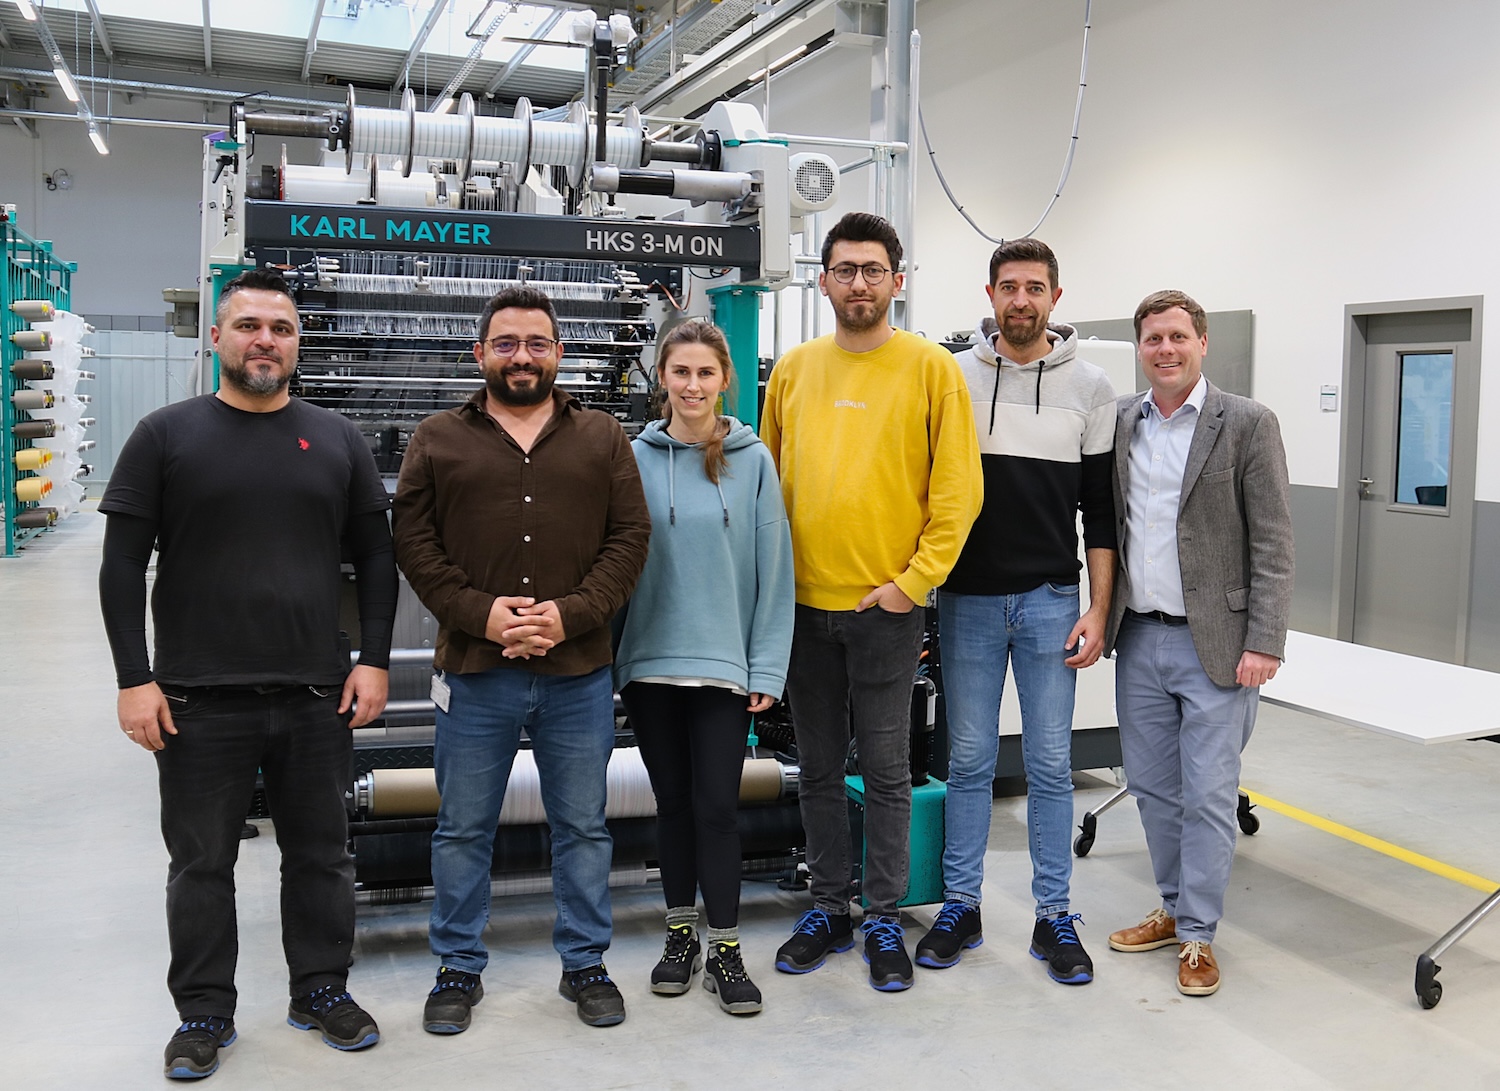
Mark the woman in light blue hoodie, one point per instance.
(705, 644)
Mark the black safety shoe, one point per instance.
(345, 1025)
(1055, 942)
(598, 998)
(726, 978)
(955, 929)
(451, 1001)
(193, 1051)
(680, 960)
(885, 951)
(816, 934)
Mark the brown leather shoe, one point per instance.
(1157, 930)
(1197, 972)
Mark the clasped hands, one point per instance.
(524, 627)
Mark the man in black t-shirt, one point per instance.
(250, 498)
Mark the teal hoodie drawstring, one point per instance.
(672, 490)
(671, 487)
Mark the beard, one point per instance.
(1023, 331)
(257, 383)
(858, 315)
(499, 385)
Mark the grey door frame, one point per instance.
(1351, 448)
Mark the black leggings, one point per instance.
(692, 739)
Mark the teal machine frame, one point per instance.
(737, 313)
(31, 272)
(219, 274)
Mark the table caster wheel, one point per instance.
(1085, 839)
(1249, 823)
(1429, 988)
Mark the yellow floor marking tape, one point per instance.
(1406, 856)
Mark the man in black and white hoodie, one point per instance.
(1046, 436)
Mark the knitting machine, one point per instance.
(413, 219)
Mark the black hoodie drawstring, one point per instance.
(995, 394)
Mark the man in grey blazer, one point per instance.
(1199, 618)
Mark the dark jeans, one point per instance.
(692, 739)
(206, 773)
(855, 669)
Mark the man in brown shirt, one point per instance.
(520, 523)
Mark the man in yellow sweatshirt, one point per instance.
(873, 434)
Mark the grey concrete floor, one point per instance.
(1318, 947)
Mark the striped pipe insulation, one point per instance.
(404, 793)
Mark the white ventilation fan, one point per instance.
(815, 182)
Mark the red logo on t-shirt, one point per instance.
(303, 444)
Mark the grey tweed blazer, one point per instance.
(1234, 531)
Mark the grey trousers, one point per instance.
(855, 671)
(1181, 737)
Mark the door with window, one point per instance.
(1415, 485)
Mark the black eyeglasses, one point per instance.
(509, 346)
(872, 273)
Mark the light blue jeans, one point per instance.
(1180, 738)
(980, 633)
(572, 727)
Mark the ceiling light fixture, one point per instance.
(782, 62)
(98, 138)
(28, 10)
(64, 79)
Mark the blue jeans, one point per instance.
(979, 633)
(570, 721)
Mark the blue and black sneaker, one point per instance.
(816, 934)
(955, 929)
(345, 1025)
(885, 951)
(1055, 942)
(449, 1006)
(193, 1051)
(595, 994)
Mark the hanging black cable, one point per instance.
(1062, 181)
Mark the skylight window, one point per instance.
(377, 24)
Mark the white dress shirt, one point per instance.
(1158, 460)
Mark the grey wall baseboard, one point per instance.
(152, 323)
(1484, 589)
(1314, 510)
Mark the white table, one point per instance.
(1419, 700)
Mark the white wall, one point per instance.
(130, 220)
(1286, 156)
